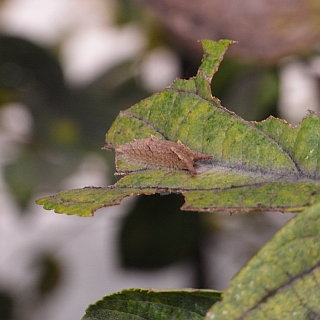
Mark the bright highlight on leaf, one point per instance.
(255, 166)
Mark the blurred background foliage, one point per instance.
(69, 122)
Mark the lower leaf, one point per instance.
(150, 304)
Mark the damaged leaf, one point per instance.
(241, 165)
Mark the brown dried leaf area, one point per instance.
(265, 30)
(154, 152)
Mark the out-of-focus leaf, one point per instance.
(6, 306)
(156, 233)
(29, 70)
(128, 11)
(22, 178)
(50, 274)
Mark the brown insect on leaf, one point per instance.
(160, 153)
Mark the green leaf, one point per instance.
(256, 166)
(282, 281)
(149, 304)
(22, 178)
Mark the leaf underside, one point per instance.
(268, 165)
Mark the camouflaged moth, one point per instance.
(160, 153)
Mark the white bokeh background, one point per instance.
(89, 43)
